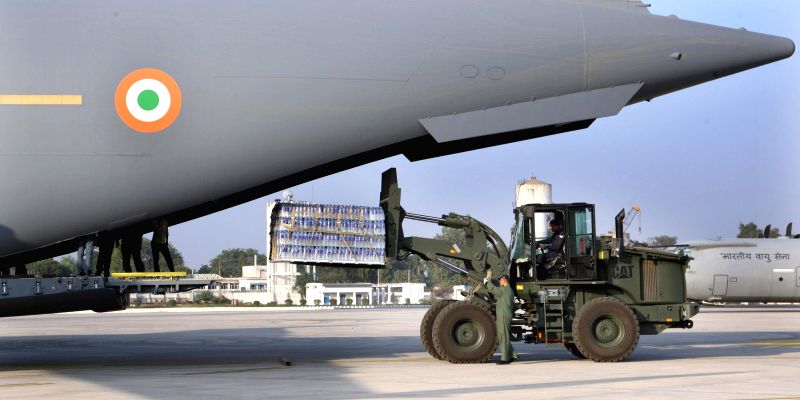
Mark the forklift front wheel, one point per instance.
(426, 326)
(464, 333)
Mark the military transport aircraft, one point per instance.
(113, 113)
(745, 270)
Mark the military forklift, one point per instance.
(595, 297)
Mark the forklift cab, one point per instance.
(575, 261)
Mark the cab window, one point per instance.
(520, 249)
(581, 237)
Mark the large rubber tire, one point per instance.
(426, 326)
(572, 348)
(605, 330)
(464, 333)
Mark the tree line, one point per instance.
(66, 265)
(229, 263)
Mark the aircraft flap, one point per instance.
(551, 111)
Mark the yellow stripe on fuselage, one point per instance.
(147, 274)
(41, 99)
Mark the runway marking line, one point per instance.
(778, 343)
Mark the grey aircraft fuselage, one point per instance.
(278, 92)
(744, 270)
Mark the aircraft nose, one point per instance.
(785, 47)
(751, 50)
(699, 53)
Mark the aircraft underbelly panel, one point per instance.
(531, 114)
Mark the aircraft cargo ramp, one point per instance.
(44, 295)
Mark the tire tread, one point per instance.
(577, 332)
(426, 326)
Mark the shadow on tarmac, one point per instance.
(202, 361)
(192, 357)
(191, 348)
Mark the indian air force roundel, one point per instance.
(148, 100)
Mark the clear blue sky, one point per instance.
(698, 161)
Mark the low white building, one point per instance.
(365, 293)
(237, 290)
(257, 284)
(276, 279)
(405, 293)
(339, 293)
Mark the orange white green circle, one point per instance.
(148, 100)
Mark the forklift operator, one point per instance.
(554, 244)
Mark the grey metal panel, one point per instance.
(564, 109)
(720, 285)
(25, 287)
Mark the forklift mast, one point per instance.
(484, 248)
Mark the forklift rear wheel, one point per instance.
(574, 350)
(464, 333)
(426, 326)
(605, 330)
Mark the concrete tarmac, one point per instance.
(750, 353)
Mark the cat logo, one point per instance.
(623, 271)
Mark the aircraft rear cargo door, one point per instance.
(720, 285)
